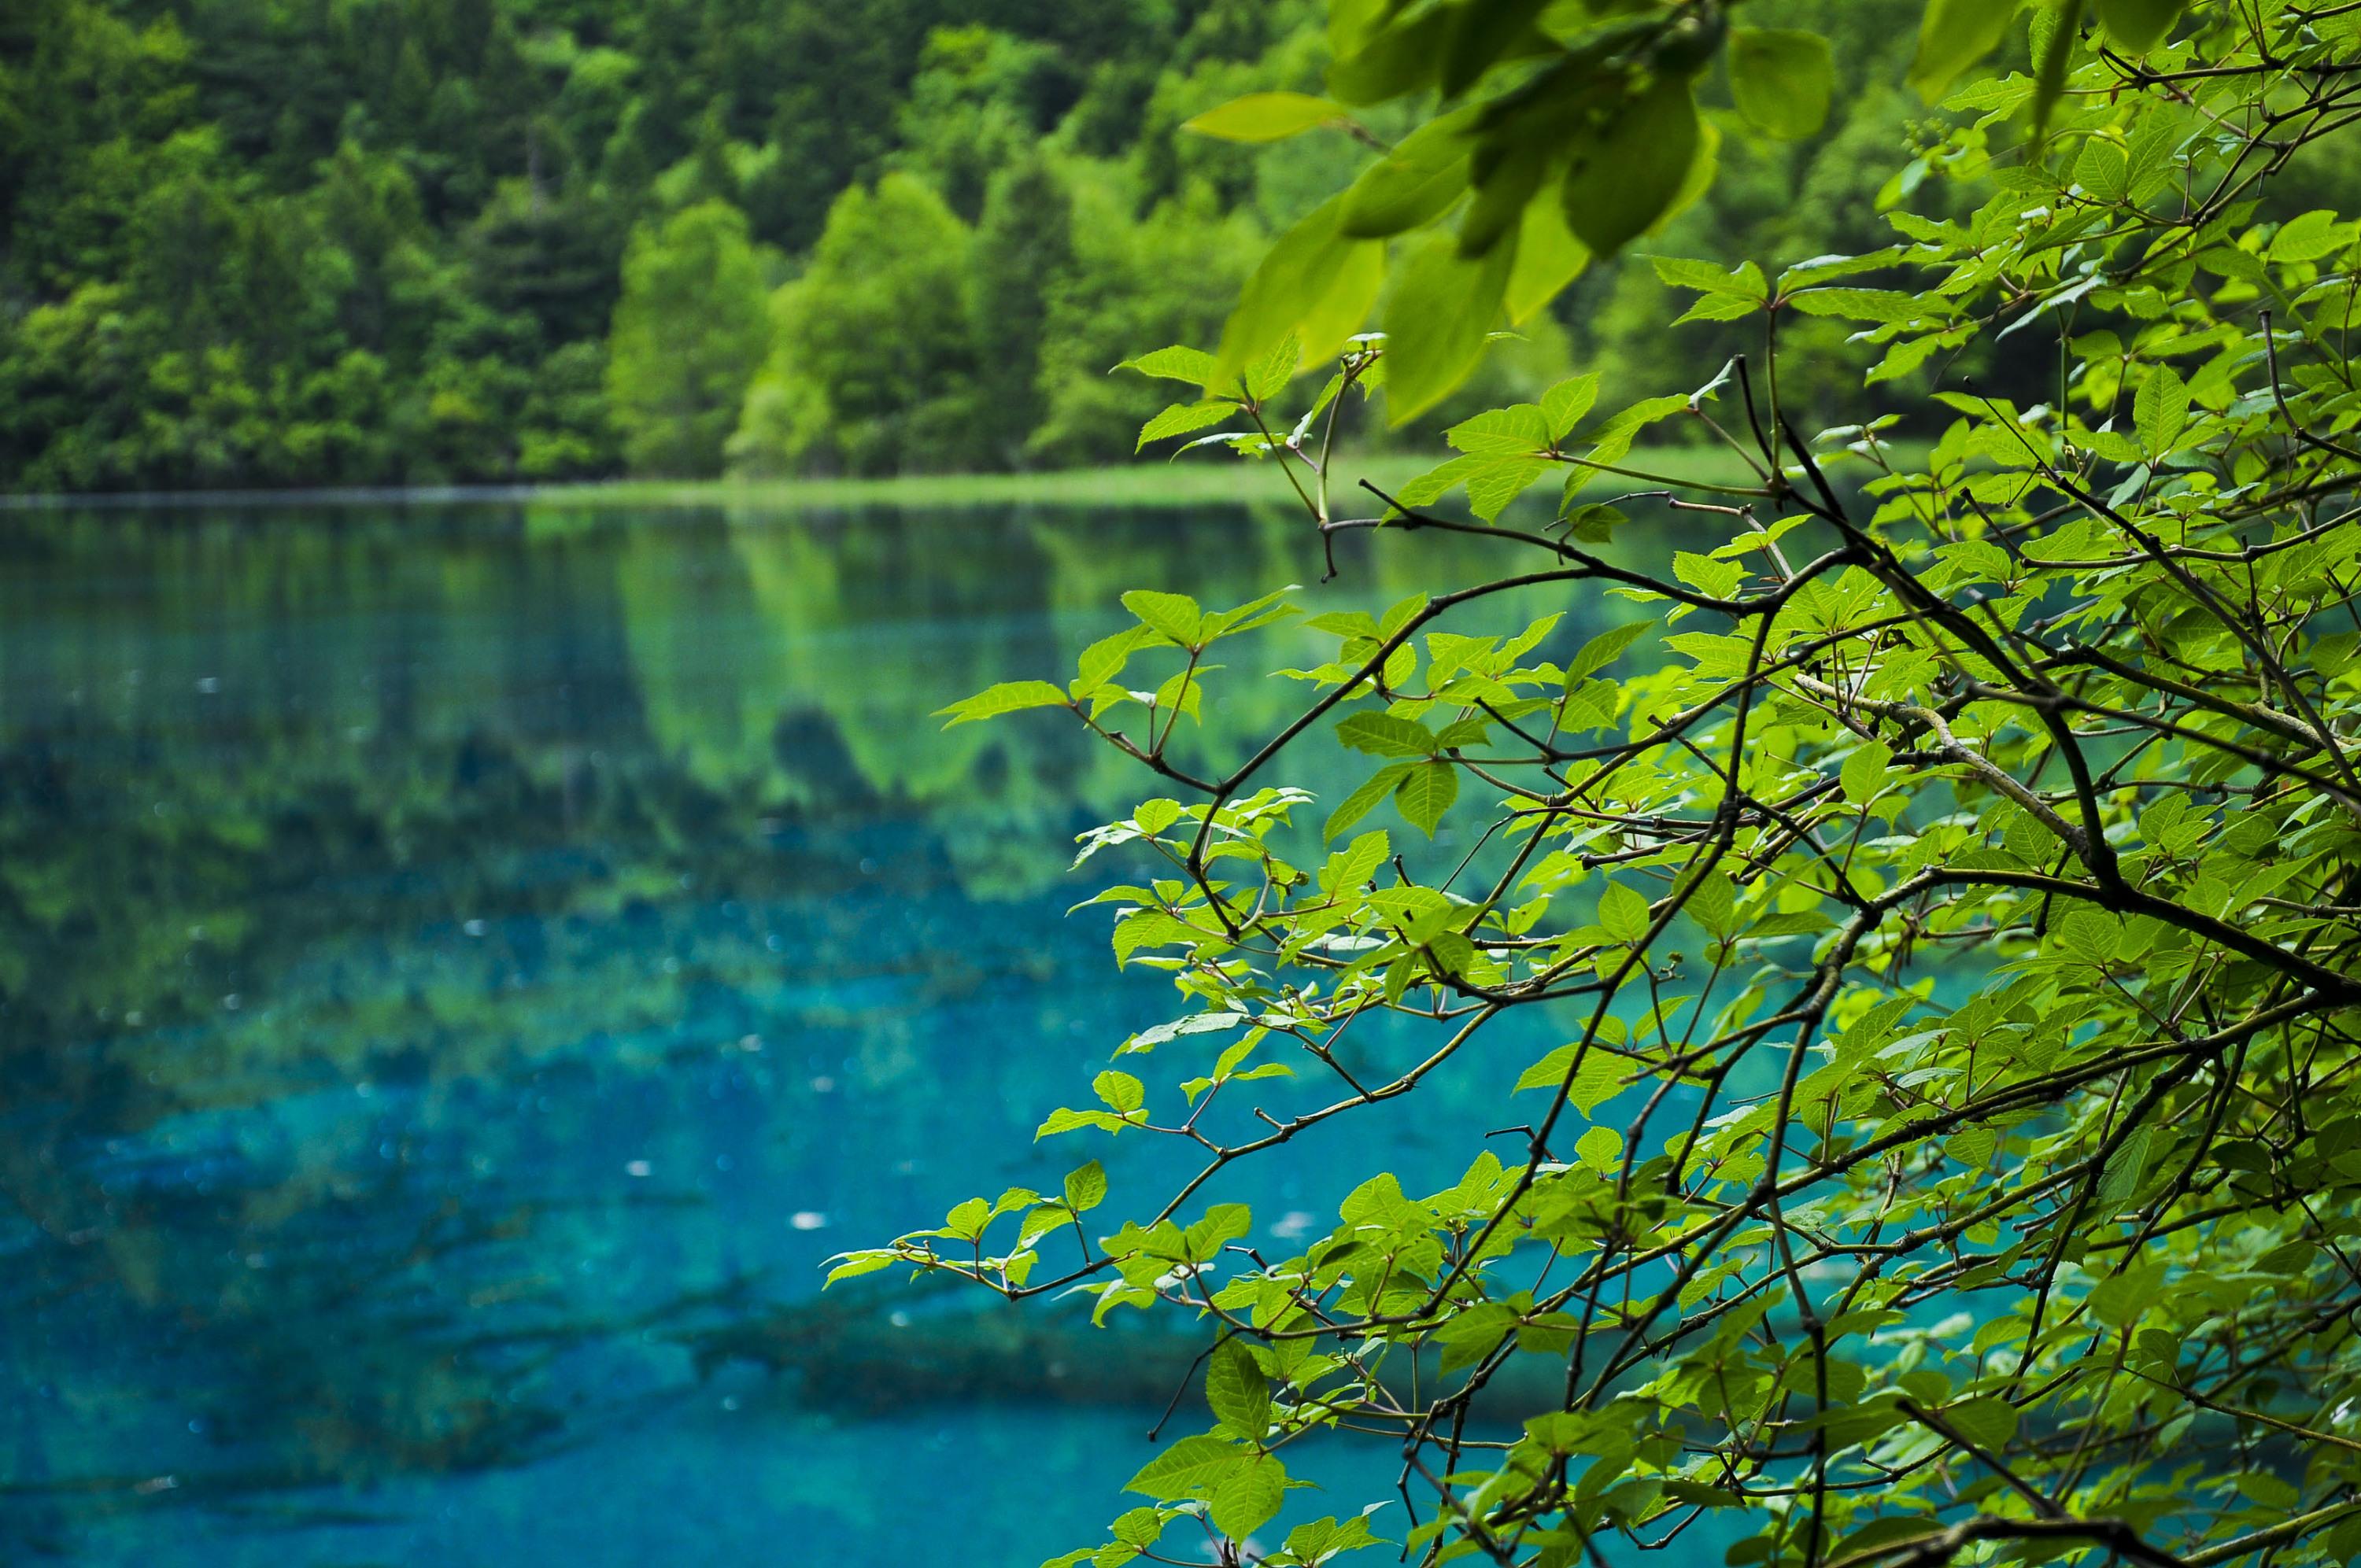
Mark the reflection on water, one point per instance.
(461, 970)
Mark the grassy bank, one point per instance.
(1148, 483)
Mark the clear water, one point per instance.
(464, 968)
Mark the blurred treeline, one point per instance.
(334, 242)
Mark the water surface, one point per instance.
(460, 964)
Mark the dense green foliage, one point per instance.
(258, 242)
(1944, 892)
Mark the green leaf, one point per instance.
(1599, 1080)
(1189, 1468)
(1501, 480)
(1623, 913)
(2161, 410)
(1248, 1498)
(1086, 1188)
(1865, 771)
(1236, 1391)
(1383, 735)
(1155, 816)
(2138, 26)
(1008, 696)
(1323, 1539)
(1719, 579)
(1599, 1147)
(1181, 418)
(1743, 282)
(859, 1264)
(1604, 649)
(1348, 869)
(2101, 170)
(1104, 659)
(1485, 34)
(2054, 51)
(1437, 321)
(1549, 257)
(1265, 116)
(1518, 430)
(1781, 80)
(1315, 283)
(1175, 615)
(1416, 181)
(1426, 794)
(2126, 1170)
(1122, 1093)
(1626, 175)
(1176, 363)
(2122, 1298)
(1564, 405)
(1888, 306)
(1364, 800)
(1399, 58)
(1952, 35)
(1987, 1421)
(1615, 437)
(2309, 238)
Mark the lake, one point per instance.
(465, 968)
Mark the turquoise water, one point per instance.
(464, 968)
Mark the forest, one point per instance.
(273, 242)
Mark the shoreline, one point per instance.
(1145, 484)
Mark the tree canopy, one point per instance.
(261, 241)
(1941, 890)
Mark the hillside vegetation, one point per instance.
(289, 242)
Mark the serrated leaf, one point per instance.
(1122, 1093)
(1383, 735)
(1249, 1497)
(2309, 238)
(1364, 800)
(1236, 1391)
(1426, 793)
(1008, 696)
(1086, 1187)
(1174, 615)
(1519, 430)
(1564, 405)
(1176, 362)
(1496, 483)
(2161, 410)
(1888, 306)
(1865, 771)
(1180, 419)
(1190, 1468)
(1599, 1080)
(1604, 649)
(1623, 913)
(859, 1264)
(2127, 1168)
(1349, 868)
(1616, 436)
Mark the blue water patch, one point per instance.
(461, 978)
